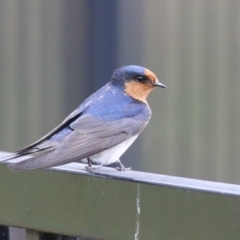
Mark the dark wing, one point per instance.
(90, 136)
(44, 145)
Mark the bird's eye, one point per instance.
(140, 78)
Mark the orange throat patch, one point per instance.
(137, 90)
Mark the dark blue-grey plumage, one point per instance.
(101, 128)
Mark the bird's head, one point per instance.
(138, 81)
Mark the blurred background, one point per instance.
(54, 54)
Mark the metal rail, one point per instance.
(107, 204)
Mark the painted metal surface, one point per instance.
(108, 204)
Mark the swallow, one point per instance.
(101, 129)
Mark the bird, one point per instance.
(101, 129)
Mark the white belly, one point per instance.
(113, 154)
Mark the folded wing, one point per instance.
(90, 135)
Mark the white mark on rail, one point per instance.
(137, 225)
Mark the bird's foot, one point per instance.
(92, 168)
(122, 167)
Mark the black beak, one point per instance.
(158, 84)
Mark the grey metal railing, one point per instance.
(107, 204)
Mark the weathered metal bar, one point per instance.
(107, 204)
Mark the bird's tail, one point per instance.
(43, 160)
(9, 157)
(30, 152)
(27, 164)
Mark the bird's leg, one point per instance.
(121, 166)
(89, 162)
(90, 167)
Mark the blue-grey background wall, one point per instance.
(53, 54)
